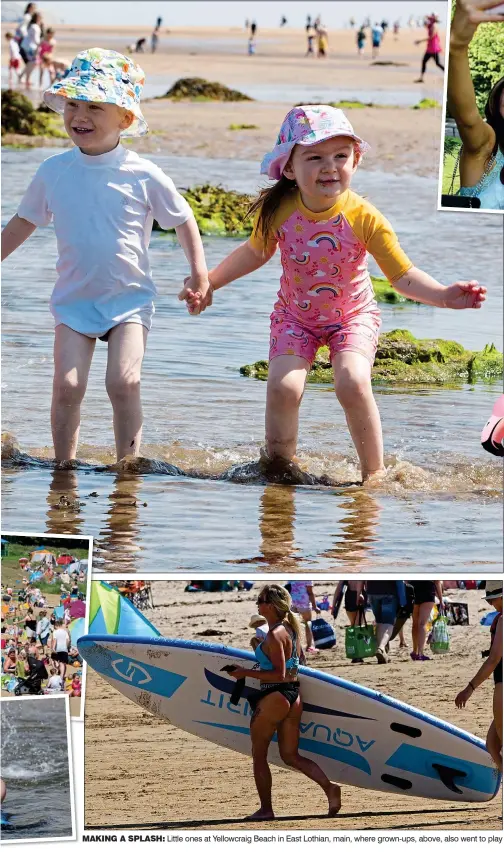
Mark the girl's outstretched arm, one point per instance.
(15, 233)
(418, 285)
(245, 259)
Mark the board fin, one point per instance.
(447, 775)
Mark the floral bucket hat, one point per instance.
(306, 126)
(102, 76)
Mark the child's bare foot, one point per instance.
(261, 814)
(375, 477)
(334, 797)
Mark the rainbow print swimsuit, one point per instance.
(326, 295)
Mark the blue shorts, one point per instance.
(384, 607)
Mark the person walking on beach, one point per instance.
(322, 40)
(355, 602)
(491, 666)
(277, 706)
(60, 647)
(361, 40)
(384, 600)
(425, 600)
(303, 602)
(376, 39)
(482, 152)
(325, 232)
(104, 196)
(154, 40)
(30, 47)
(310, 36)
(433, 49)
(14, 59)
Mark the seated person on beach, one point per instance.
(76, 690)
(55, 684)
(10, 662)
(482, 154)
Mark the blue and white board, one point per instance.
(358, 736)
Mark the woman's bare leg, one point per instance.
(288, 742)
(73, 353)
(126, 348)
(268, 714)
(286, 382)
(424, 611)
(352, 384)
(494, 746)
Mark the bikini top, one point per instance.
(490, 189)
(264, 661)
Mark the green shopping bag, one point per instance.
(360, 640)
(440, 636)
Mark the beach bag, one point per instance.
(440, 637)
(360, 640)
(323, 634)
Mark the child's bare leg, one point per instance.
(73, 353)
(352, 383)
(286, 382)
(126, 348)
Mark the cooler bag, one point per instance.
(360, 640)
(323, 634)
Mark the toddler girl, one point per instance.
(324, 231)
(103, 199)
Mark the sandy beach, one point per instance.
(282, 76)
(192, 783)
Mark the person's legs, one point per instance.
(265, 720)
(306, 615)
(424, 610)
(414, 629)
(352, 384)
(494, 746)
(286, 382)
(126, 348)
(288, 742)
(352, 617)
(438, 62)
(497, 712)
(73, 353)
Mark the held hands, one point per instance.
(197, 293)
(464, 295)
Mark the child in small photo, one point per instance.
(46, 51)
(14, 58)
(325, 232)
(103, 199)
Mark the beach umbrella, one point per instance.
(76, 630)
(112, 614)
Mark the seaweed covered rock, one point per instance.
(19, 116)
(403, 359)
(218, 211)
(199, 89)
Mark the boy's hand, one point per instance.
(464, 295)
(197, 293)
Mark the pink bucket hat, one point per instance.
(306, 126)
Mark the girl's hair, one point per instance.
(267, 203)
(29, 8)
(493, 114)
(279, 597)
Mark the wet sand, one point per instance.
(217, 54)
(192, 783)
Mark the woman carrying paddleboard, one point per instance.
(492, 665)
(277, 705)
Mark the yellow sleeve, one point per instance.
(256, 238)
(379, 238)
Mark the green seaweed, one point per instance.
(199, 89)
(403, 359)
(426, 104)
(233, 127)
(218, 211)
(19, 116)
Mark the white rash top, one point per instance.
(103, 208)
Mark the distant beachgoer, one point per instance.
(140, 45)
(46, 52)
(277, 706)
(397, 27)
(355, 602)
(425, 599)
(251, 46)
(30, 625)
(361, 40)
(253, 29)
(433, 48)
(30, 46)
(482, 153)
(43, 629)
(159, 21)
(491, 666)
(14, 58)
(376, 39)
(384, 600)
(283, 21)
(310, 36)
(154, 40)
(322, 40)
(22, 29)
(384, 26)
(56, 683)
(10, 662)
(108, 295)
(76, 687)
(303, 602)
(60, 647)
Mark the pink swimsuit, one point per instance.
(326, 295)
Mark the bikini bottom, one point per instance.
(289, 690)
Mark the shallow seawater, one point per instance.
(35, 769)
(439, 506)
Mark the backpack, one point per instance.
(323, 634)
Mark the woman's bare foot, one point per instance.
(334, 797)
(261, 814)
(374, 478)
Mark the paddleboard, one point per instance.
(358, 736)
